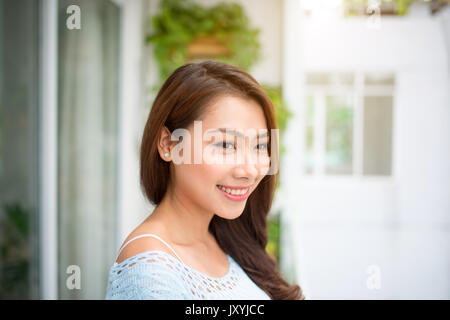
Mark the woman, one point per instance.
(206, 237)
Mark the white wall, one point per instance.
(133, 207)
(402, 224)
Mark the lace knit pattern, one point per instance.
(157, 275)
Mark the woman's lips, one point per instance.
(235, 197)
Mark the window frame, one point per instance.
(358, 91)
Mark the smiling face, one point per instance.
(223, 187)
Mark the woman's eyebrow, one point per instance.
(239, 134)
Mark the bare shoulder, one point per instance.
(143, 244)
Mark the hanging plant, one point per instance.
(391, 7)
(185, 31)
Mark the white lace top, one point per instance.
(155, 274)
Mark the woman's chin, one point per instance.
(229, 214)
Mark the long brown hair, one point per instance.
(183, 98)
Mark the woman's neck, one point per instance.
(185, 224)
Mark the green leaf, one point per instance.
(180, 21)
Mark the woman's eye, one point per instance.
(225, 145)
(263, 146)
(230, 146)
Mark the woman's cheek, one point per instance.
(190, 178)
(213, 172)
(263, 165)
(211, 155)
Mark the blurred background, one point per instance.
(362, 94)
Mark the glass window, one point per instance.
(344, 95)
(379, 79)
(320, 79)
(377, 135)
(88, 145)
(19, 264)
(309, 125)
(339, 135)
(329, 79)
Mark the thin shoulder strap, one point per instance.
(149, 235)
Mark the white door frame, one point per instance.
(48, 155)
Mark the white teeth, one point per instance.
(233, 192)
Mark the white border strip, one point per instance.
(48, 150)
(131, 61)
(293, 161)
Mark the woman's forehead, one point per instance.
(250, 133)
(234, 112)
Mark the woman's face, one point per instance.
(230, 166)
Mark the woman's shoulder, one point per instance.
(143, 239)
(151, 274)
(146, 262)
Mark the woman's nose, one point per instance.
(247, 166)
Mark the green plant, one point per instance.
(273, 236)
(281, 111)
(283, 114)
(400, 6)
(182, 21)
(14, 252)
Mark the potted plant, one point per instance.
(185, 31)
